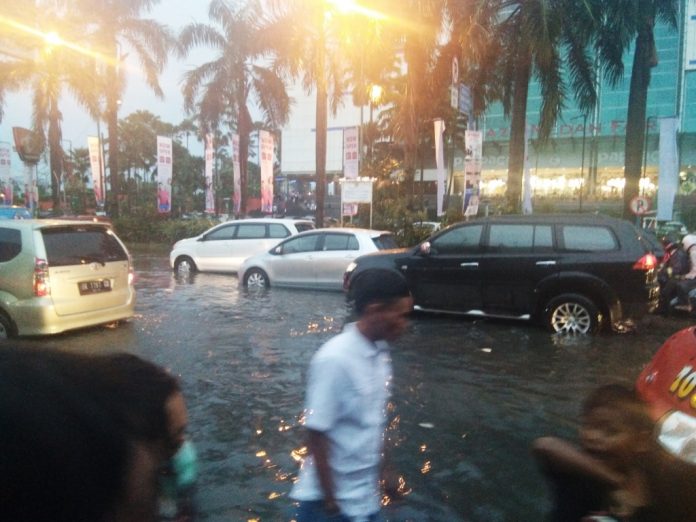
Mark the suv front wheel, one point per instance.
(572, 314)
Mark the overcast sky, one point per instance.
(77, 125)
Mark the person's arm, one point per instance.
(558, 455)
(318, 445)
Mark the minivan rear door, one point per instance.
(88, 268)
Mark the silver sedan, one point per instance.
(312, 259)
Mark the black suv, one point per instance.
(574, 273)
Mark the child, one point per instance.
(610, 473)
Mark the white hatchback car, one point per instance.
(224, 247)
(314, 259)
(61, 275)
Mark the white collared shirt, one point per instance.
(347, 392)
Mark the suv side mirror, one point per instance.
(278, 250)
(424, 248)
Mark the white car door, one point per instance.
(251, 239)
(212, 251)
(331, 261)
(294, 266)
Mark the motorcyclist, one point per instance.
(686, 287)
(675, 264)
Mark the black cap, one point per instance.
(377, 285)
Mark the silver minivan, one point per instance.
(62, 275)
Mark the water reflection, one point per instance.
(469, 397)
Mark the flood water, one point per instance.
(469, 396)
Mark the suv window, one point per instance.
(515, 237)
(300, 244)
(340, 242)
(588, 238)
(251, 231)
(277, 230)
(222, 233)
(80, 245)
(458, 240)
(10, 244)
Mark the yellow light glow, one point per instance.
(53, 39)
(351, 6)
(376, 93)
(261, 453)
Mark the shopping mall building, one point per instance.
(583, 151)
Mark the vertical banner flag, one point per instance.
(690, 36)
(350, 152)
(5, 181)
(527, 179)
(209, 187)
(439, 128)
(96, 161)
(236, 176)
(668, 179)
(473, 158)
(266, 155)
(164, 175)
(31, 189)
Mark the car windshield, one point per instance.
(385, 242)
(67, 246)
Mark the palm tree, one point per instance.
(56, 68)
(542, 38)
(116, 27)
(226, 86)
(625, 21)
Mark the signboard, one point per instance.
(465, 100)
(357, 191)
(164, 174)
(350, 209)
(455, 70)
(454, 96)
(472, 171)
(29, 144)
(350, 152)
(640, 205)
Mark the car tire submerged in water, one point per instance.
(572, 314)
(256, 279)
(7, 329)
(184, 265)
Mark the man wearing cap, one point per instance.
(347, 392)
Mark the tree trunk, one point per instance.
(518, 123)
(55, 154)
(321, 126)
(112, 99)
(635, 119)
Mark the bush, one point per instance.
(155, 228)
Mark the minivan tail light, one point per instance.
(647, 262)
(42, 285)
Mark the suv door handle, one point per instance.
(545, 263)
(469, 265)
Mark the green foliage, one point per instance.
(149, 227)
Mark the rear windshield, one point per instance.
(385, 242)
(306, 225)
(81, 245)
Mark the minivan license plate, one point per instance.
(94, 287)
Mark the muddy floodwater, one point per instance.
(469, 395)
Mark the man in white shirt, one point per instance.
(347, 392)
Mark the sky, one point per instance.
(77, 125)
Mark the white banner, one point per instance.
(164, 175)
(236, 176)
(690, 36)
(266, 164)
(473, 155)
(96, 161)
(668, 179)
(6, 195)
(356, 191)
(209, 187)
(439, 128)
(351, 152)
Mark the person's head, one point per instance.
(382, 302)
(63, 458)
(616, 426)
